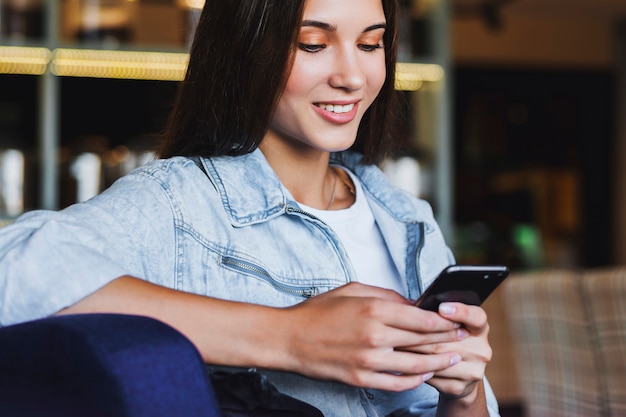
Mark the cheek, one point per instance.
(293, 89)
(302, 76)
(377, 76)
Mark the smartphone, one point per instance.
(469, 284)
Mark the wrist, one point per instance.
(272, 340)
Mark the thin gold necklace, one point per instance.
(349, 186)
(332, 195)
(345, 182)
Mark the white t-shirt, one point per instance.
(363, 241)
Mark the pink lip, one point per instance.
(337, 118)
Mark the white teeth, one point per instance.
(337, 108)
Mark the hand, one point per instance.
(350, 335)
(462, 382)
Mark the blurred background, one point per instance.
(536, 115)
(539, 130)
(515, 124)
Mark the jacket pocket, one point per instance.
(256, 271)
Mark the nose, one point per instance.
(348, 73)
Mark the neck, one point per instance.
(306, 175)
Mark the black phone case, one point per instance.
(469, 284)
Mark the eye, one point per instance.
(370, 48)
(312, 48)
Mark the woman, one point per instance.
(265, 233)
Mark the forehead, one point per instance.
(348, 10)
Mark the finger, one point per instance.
(395, 382)
(452, 387)
(411, 318)
(458, 379)
(399, 324)
(385, 337)
(466, 371)
(399, 327)
(471, 317)
(406, 363)
(401, 313)
(472, 348)
(437, 342)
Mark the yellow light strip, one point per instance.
(138, 65)
(23, 60)
(193, 4)
(411, 77)
(163, 66)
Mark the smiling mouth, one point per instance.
(336, 108)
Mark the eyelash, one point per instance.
(311, 48)
(370, 48)
(314, 48)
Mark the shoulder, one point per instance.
(176, 175)
(165, 170)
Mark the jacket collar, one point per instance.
(251, 191)
(248, 186)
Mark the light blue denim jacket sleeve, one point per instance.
(231, 232)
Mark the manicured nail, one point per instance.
(462, 334)
(455, 359)
(427, 376)
(447, 309)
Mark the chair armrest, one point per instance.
(101, 365)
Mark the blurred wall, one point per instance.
(562, 41)
(527, 40)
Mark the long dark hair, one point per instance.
(239, 63)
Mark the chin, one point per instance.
(338, 147)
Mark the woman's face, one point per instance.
(338, 70)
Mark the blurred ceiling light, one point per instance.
(192, 4)
(160, 66)
(23, 60)
(164, 66)
(411, 76)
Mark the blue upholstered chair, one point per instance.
(101, 365)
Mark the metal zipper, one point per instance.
(257, 271)
(293, 210)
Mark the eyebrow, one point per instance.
(333, 28)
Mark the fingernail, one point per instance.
(447, 309)
(455, 359)
(427, 376)
(462, 333)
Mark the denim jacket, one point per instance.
(230, 230)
